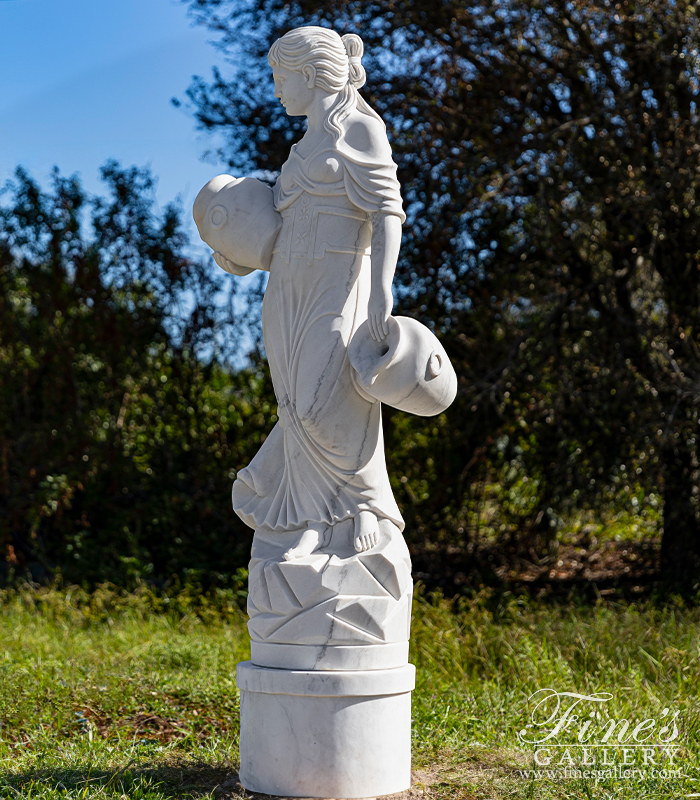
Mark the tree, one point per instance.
(548, 157)
(118, 421)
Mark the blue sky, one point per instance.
(82, 81)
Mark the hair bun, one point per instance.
(355, 49)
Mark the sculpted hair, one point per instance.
(338, 65)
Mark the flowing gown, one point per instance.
(324, 460)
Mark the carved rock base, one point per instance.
(332, 596)
(325, 733)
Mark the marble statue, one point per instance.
(330, 575)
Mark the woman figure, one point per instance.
(332, 269)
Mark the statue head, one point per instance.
(327, 62)
(335, 62)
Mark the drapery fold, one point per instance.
(324, 460)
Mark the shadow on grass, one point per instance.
(184, 781)
(188, 781)
(191, 782)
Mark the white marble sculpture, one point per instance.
(330, 585)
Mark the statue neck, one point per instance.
(318, 113)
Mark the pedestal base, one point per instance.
(329, 734)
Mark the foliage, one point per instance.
(548, 158)
(119, 425)
(128, 698)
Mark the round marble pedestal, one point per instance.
(325, 733)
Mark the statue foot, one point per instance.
(311, 540)
(366, 531)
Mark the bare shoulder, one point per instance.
(367, 134)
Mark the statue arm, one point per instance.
(386, 242)
(371, 184)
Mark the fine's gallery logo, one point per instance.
(573, 735)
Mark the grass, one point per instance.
(112, 695)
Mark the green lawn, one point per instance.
(114, 695)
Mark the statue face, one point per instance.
(295, 90)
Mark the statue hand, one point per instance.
(228, 266)
(379, 311)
